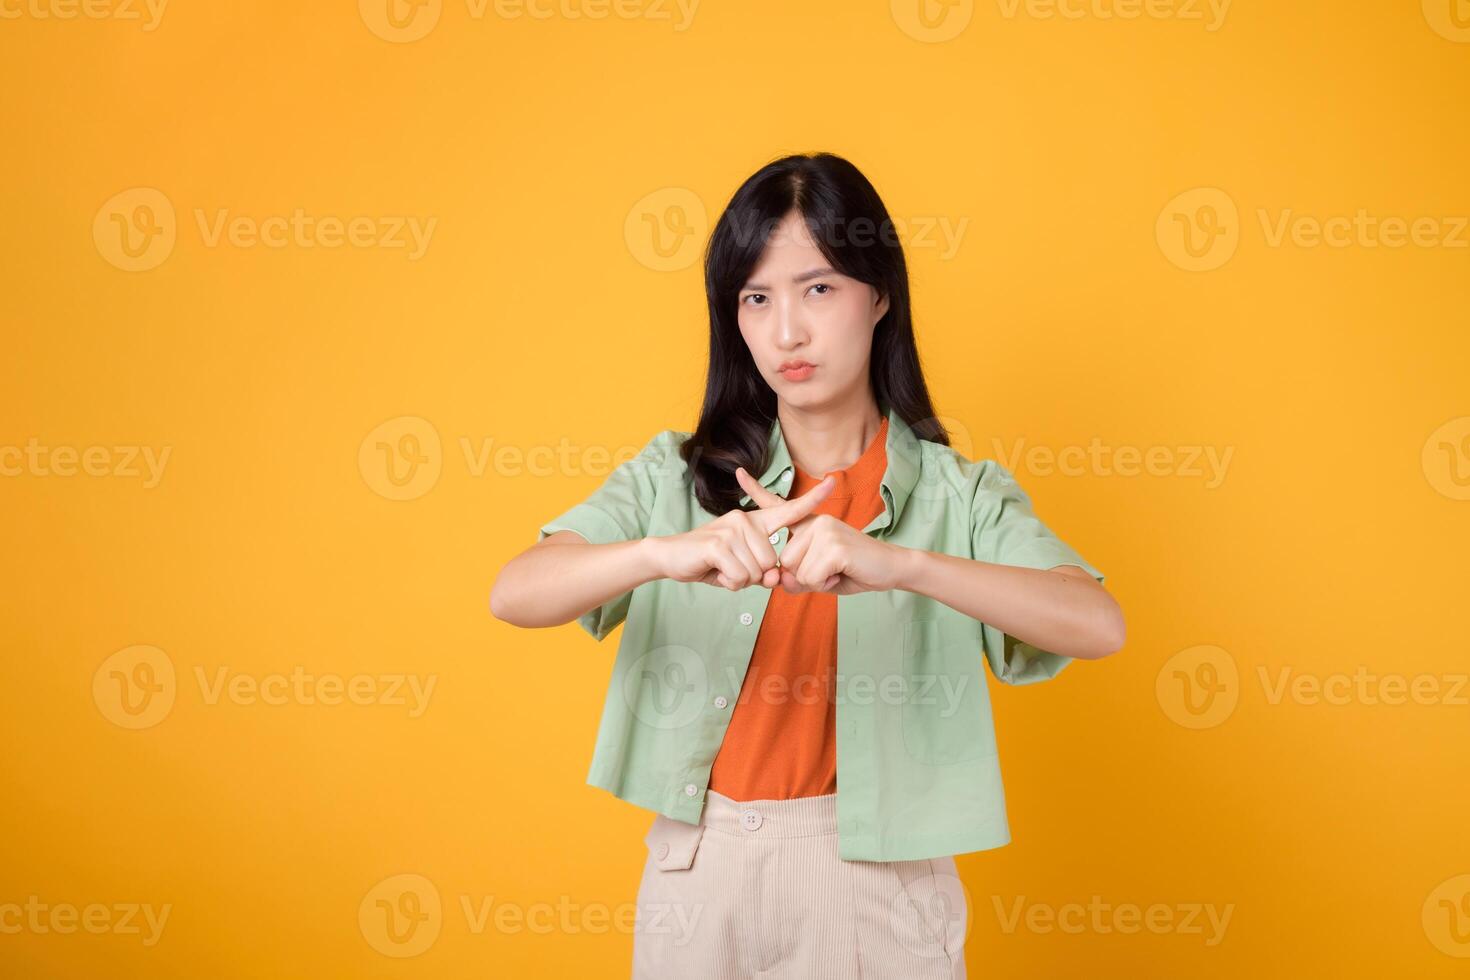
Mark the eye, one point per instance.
(822, 286)
(754, 296)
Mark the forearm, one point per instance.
(1070, 616)
(552, 584)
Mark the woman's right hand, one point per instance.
(734, 550)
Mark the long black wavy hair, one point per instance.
(850, 225)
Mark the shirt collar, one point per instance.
(901, 474)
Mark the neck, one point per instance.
(830, 437)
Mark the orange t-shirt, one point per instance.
(782, 739)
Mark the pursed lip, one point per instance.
(791, 365)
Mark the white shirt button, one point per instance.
(721, 701)
(751, 819)
(746, 619)
(775, 537)
(691, 790)
(663, 850)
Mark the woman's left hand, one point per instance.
(825, 554)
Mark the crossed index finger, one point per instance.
(777, 512)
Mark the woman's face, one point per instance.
(809, 328)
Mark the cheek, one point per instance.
(752, 340)
(849, 330)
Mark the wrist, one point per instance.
(908, 566)
(650, 558)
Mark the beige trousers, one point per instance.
(756, 891)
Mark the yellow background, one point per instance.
(543, 313)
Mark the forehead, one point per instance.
(790, 240)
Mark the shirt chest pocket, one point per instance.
(946, 714)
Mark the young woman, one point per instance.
(809, 581)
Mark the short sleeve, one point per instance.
(618, 510)
(1005, 530)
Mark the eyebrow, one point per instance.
(803, 277)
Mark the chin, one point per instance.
(810, 401)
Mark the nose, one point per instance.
(791, 329)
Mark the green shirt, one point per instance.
(918, 774)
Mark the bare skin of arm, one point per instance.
(562, 576)
(1063, 609)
